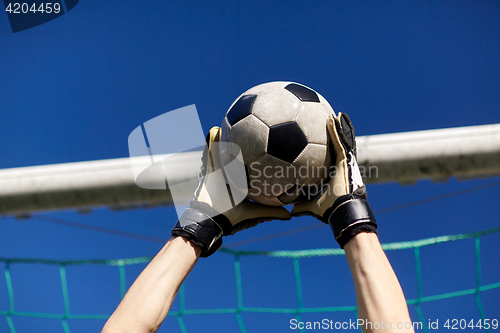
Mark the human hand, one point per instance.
(342, 201)
(218, 209)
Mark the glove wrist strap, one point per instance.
(200, 229)
(350, 216)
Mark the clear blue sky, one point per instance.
(74, 88)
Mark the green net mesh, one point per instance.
(240, 308)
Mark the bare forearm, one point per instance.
(148, 300)
(378, 292)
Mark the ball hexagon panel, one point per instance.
(313, 164)
(286, 141)
(269, 177)
(251, 135)
(276, 107)
(308, 118)
(327, 105)
(303, 93)
(240, 109)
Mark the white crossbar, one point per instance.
(462, 152)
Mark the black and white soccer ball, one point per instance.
(281, 130)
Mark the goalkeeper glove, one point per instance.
(342, 202)
(208, 218)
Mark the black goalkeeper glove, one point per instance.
(342, 202)
(213, 213)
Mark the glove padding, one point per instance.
(202, 223)
(342, 202)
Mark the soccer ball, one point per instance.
(280, 129)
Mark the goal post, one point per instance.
(462, 152)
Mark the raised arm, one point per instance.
(148, 300)
(381, 302)
(196, 234)
(342, 204)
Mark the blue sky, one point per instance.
(74, 88)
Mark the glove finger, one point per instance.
(339, 183)
(355, 178)
(307, 209)
(248, 214)
(302, 208)
(335, 131)
(212, 159)
(257, 210)
(208, 166)
(248, 210)
(213, 134)
(348, 131)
